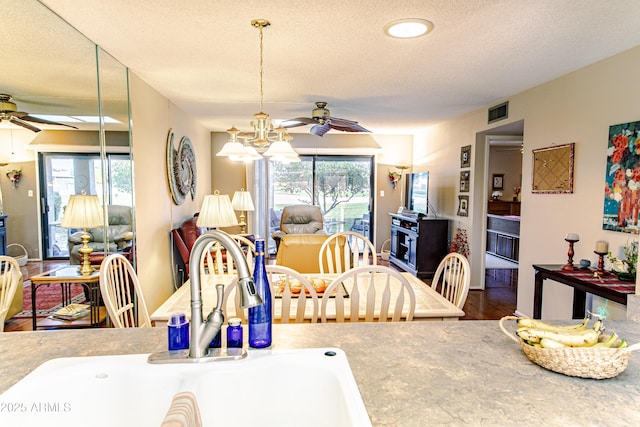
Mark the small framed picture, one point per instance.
(498, 181)
(465, 156)
(463, 205)
(465, 178)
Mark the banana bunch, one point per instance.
(541, 334)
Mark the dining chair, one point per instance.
(10, 281)
(452, 278)
(122, 294)
(342, 251)
(368, 293)
(215, 261)
(287, 286)
(291, 286)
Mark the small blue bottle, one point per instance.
(178, 332)
(234, 333)
(260, 317)
(216, 342)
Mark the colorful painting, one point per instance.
(622, 185)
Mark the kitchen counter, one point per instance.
(409, 374)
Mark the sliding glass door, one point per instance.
(65, 174)
(341, 185)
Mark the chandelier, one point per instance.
(274, 143)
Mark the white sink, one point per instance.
(309, 387)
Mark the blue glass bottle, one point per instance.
(260, 317)
(178, 332)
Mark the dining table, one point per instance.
(430, 305)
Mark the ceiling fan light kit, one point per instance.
(241, 146)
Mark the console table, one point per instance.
(605, 285)
(65, 277)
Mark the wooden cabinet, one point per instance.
(501, 207)
(418, 244)
(503, 237)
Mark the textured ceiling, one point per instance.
(203, 54)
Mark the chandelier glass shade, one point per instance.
(245, 146)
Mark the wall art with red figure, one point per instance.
(622, 185)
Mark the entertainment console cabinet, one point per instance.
(418, 244)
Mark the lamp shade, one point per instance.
(242, 201)
(216, 212)
(83, 211)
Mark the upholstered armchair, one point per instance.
(299, 219)
(119, 234)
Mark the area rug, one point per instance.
(495, 263)
(49, 299)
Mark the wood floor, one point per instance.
(498, 299)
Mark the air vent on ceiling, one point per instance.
(499, 112)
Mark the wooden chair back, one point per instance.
(122, 294)
(452, 279)
(345, 250)
(10, 280)
(369, 293)
(291, 286)
(215, 260)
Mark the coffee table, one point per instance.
(64, 277)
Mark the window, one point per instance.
(341, 185)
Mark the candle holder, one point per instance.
(600, 260)
(569, 266)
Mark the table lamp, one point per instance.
(83, 211)
(242, 202)
(216, 212)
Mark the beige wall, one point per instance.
(578, 107)
(153, 115)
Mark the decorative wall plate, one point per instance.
(181, 169)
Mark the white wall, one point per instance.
(578, 107)
(153, 115)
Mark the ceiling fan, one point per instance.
(323, 122)
(9, 111)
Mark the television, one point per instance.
(417, 192)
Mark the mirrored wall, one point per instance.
(52, 72)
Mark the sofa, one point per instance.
(119, 234)
(183, 238)
(299, 219)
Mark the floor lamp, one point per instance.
(83, 211)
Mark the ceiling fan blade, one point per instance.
(24, 124)
(346, 125)
(320, 130)
(43, 121)
(298, 121)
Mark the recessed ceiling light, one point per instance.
(408, 28)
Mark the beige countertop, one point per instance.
(409, 374)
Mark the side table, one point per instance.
(65, 277)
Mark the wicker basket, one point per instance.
(585, 362)
(23, 257)
(384, 250)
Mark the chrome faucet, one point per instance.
(202, 332)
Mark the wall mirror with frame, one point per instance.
(54, 72)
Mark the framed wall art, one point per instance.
(465, 156)
(463, 205)
(622, 179)
(553, 169)
(497, 181)
(465, 181)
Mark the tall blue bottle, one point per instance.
(260, 317)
